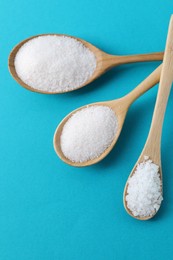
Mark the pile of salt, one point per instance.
(88, 133)
(54, 63)
(144, 192)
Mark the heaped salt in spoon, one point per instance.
(143, 190)
(56, 63)
(88, 134)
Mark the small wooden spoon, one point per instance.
(119, 106)
(104, 62)
(153, 144)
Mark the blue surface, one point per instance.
(49, 210)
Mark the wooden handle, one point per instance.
(141, 57)
(144, 86)
(166, 80)
(112, 61)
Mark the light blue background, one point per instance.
(49, 210)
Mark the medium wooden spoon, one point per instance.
(119, 106)
(104, 62)
(153, 144)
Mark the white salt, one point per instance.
(144, 192)
(54, 63)
(88, 133)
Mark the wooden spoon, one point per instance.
(119, 106)
(104, 62)
(153, 144)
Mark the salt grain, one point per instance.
(144, 192)
(54, 63)
(88, 133)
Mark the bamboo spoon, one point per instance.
(153, 144)
(104, 62)
(119, 106)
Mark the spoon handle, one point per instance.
(111, 61)
(166, 80)
(140, 57)
(144, 86)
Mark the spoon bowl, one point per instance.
(156, 160)
(120, 114)
(119, 106)
(104, 62)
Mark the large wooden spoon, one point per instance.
(104, 62)
(119, 106)
(152, 146)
